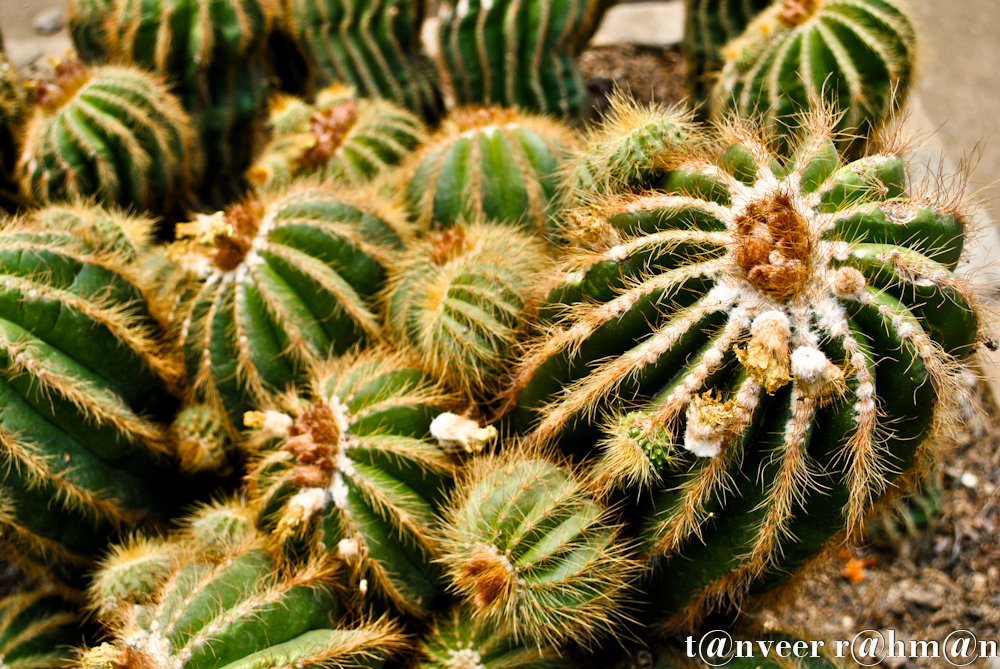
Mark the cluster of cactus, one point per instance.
(493, 396)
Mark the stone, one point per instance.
(655, 24)
(49, 21)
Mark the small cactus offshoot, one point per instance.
(458, 641)
(352, 470)
(532, 555)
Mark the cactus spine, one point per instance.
(87, 22)
(809, 311)
(268, 288)
(240, 611)
(372, 46)
(36, 629)
(459, 642)
(203, 440)
(214, 54)
(489, 165)
(518, 53)
(110, 133)
(531, 554)
(708, 26)
(352, 472)
(111, 231)
(340, 137)
(855, 56)
(458, 301)
(81, 377)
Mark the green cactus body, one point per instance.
(355, 473)
(518, 53)
(458, 302)
(87, 22)
(240, 611)
(214, 54)
(856, 56)
(339, 137)
(489, 165)
(372, 46)
(130, 574)
(460, 642)
(532, 554)
(36, 631)
(267, 289)
(203, 440)
(13, 106)
(708, 26)
(114, 134)
(81, 379)
(109, 230)
(632, 149)
(789, 314)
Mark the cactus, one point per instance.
(489, 165)
(708, 26)
(36, 630)
(372, 46)
(518, 53)
(632, 149)
(82, 379)
(203, 439)
(532, 554)
(87, 23)
(265, 290)
(239, 611)
(854, 56)
(353, 471)
(112, 231)
(809, 312)
(340, 137)
(459, 642)
(458, 302)
(214, 54)
(111, 133)
(13, 109)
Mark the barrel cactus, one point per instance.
(339, 137)
(458, 641)
(36, 630)
(111, 133)
(459, 301)
(204, 440)
(87, 23)
(262, 292)
(353, 470)
(708, 26)
(112, 231)
(856, 56)
(82, 380)
(241, 611)
(518, 53)
(790, 334)
(489, 164)
(214, 55)
(532, 555)
(13, 109)
(372, 46)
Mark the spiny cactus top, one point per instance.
(373, 46)
(213, 54)
(856, 55)
(240, 611)
(80, 380)
(489, 165)
(531, 554)
(459, 300)
(112, 231)
(458, 641)
(339, 137)
(36, 631)
(111, 133)
(518, 53)
(355, 472)
(708, 26)
(272, 285)
(13, 106)
(807, 309)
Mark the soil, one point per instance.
(650, 75)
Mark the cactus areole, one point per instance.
(789, 335)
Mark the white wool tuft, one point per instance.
(308, 501)
(464, 659)
(339, 490)
(348, 550)
(618, 253)
(772, 321)
(456, 432)
(702, 444)
(809, 364)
